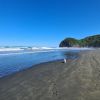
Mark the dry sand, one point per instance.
(78, 79)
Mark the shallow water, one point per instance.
(10, 63)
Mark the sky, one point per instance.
(47, 22)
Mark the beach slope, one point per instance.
(78, 79)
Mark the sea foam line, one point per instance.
(45, 50)
(25, 52)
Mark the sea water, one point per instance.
(12, 61)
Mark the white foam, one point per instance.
(30, 52)
(10, 49)
(35, 48)
(76, 48)
(21, 50)
(47, 48)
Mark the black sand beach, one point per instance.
(78, 79)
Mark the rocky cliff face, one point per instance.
(91, 41)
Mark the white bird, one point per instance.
(65, 60)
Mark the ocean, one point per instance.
(13, 60)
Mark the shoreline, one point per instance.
(36, 66)
(69, 55)
(78, 78)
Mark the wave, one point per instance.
(10, 49)
(27, 52)
(76, 48)
(23, 50)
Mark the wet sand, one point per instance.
(78, 79)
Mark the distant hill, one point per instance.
(90, 41)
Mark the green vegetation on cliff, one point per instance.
(91, 41)
(68, 42)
